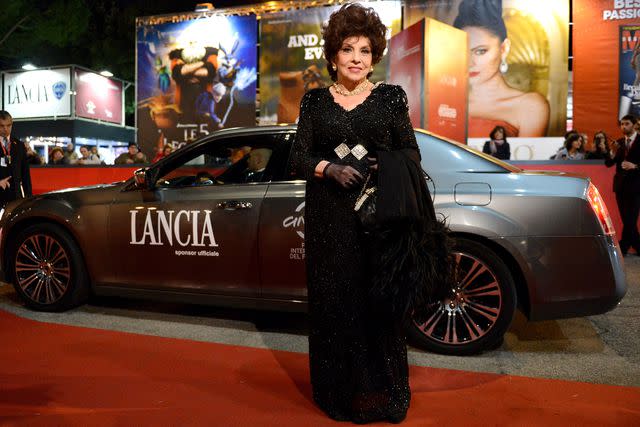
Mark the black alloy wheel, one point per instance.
(47, 269)
(479, 310)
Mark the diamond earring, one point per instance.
(504, 67)
(334, 67)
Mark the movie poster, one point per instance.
(291, 58)
(195, 77)
(518, 61)
(629, 69)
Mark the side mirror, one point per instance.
(142, 179)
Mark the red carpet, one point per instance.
(62, 375)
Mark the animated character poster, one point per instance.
(195, 77)
(629, 69)
(518, 61)
(292, 61)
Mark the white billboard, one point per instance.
(38, 93)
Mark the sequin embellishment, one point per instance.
(359, 151)
(343, 151)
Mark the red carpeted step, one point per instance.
(63, 375)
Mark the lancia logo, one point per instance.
(58, 89)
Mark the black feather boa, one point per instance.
(413, 265)
(412, 261)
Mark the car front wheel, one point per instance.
(47, 269)
(478, 311)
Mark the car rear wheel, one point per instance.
(479, 310)
(47, 269)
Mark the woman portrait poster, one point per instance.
(517, 62)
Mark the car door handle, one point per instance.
(232, 205)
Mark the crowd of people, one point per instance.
(576, 146)
(88, 155)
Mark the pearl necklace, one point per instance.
(339, 88)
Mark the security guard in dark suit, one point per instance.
(626, 182)
(15, 181)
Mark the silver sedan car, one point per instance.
(221, 221)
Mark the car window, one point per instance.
(234, 160)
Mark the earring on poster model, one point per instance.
(334, 67)
(504, 67)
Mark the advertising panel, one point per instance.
(518, 61)
(98, 97)
(195, 77)
(435, 80)
(406, 68)
(291, 57)
(38, 93)
(605, 64)
(446, 81)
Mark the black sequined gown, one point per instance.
(358, 357)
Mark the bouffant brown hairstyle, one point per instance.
(352, 20)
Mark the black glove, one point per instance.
(346, 176)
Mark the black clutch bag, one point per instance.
(365, 206)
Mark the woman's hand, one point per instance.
(346, 176)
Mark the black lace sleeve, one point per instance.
(303, 159)
(402, 132)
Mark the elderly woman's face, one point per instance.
(486, 54)
(354, 59)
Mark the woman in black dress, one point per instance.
(357, 351)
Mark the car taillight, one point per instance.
(600, 209)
